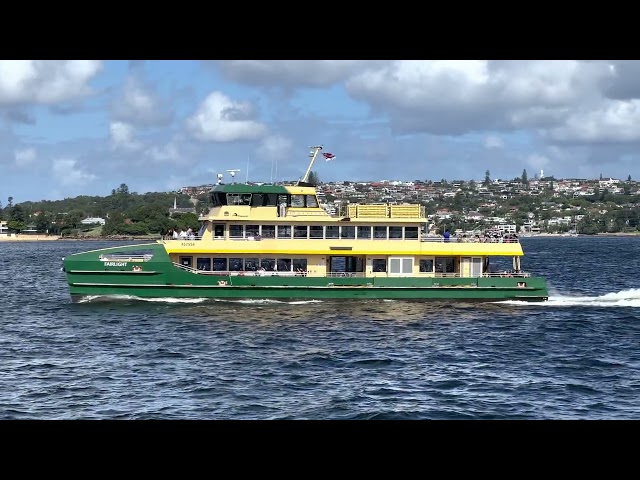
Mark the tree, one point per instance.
(313, 178)
(17, 214)
(123, 189)
(487, 178)
(525, 179)
(629, 178)
(10, 202)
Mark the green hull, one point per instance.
(159, 278)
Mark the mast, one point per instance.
(313, 154)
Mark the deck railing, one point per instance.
(423, 239)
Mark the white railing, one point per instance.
(470, 240)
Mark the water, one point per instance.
(574, 357)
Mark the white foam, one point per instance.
(248, 301)
(624, 298)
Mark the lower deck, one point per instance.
(367, 266)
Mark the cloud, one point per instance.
(493, 142)
(166, 153)
(220, 119)
(291, 73)
(274, 148)
(122, 137)
(45, 81)
(139, 105)
(67, 173)
(25, 157)
(611, 121)
(457, 97)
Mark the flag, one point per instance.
(328, 156)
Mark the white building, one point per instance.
(93, 220)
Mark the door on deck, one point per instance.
(471, 267)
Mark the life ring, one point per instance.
(222, 283)
(137, 268)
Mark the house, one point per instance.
(93, 221)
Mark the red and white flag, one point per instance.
(328, 156)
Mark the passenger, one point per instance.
(446, 235)
(175, 235)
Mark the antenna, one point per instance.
(233, 172)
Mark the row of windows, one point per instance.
(222, 264)
(319, 232)
(395, 264)
(264, 199)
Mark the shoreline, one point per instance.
(50, 238)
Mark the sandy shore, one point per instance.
(28, 238)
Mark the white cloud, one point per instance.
(45, 81)
(493, 142)
(611, 121)
(537, 161)
(122, 137)
(25, 157)
(67, 173)
(274, 148)
(292, 73)
(139, 105)
(220, 119)
(166, 153)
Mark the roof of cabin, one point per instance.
(247, 188)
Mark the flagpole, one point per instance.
(313, 156)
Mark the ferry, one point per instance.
(273, 241)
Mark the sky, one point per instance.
(84, 127)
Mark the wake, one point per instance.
(624, 298)
(129, 298)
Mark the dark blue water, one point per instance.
(574, 357)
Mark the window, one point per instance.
(236, 231)
(426, 265)
(300, 265)
(379, 265)
(380, 232)
(395, 232)
(410, 232)
(269, 264)
(297, 201)
(445, 264)
(364, 232)
(268, 231)
(251, 230)
(203, 263)
(315, 231)
(284, 231)
(235, 264)
(218, 230)
(332, 231)
(312, 201)
(347, 231)
(300, 231)
(251, 264)
(220, 265)
(401, 265)
(284, 264)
